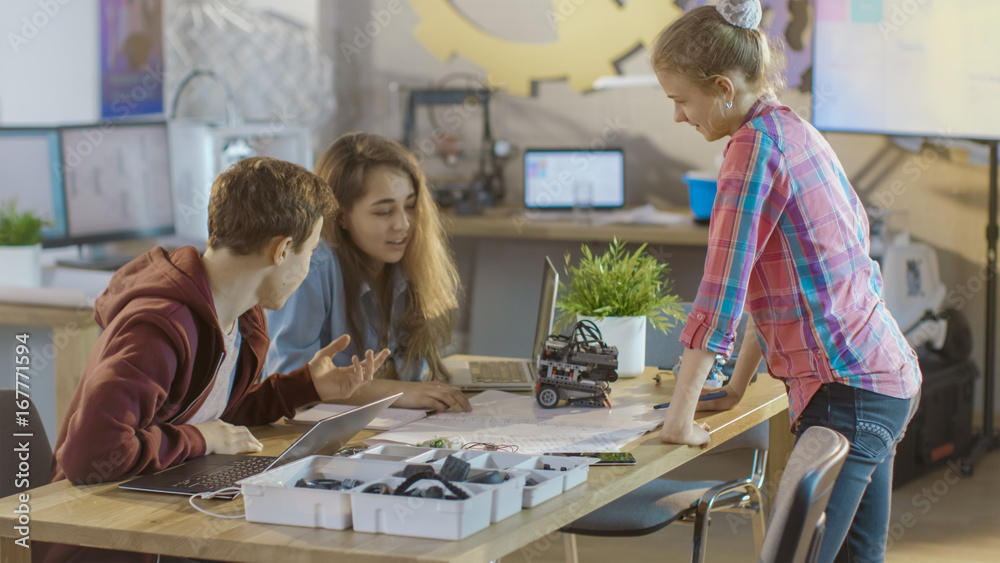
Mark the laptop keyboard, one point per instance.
(497, 372)
(229, 474)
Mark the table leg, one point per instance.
(780, 440)
(11, 552)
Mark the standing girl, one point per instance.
(788, 244)
(383, 274)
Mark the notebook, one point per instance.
(512, 374)
(218, 471)
(555, 178)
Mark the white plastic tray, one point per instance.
(271, 497)
(422, 517)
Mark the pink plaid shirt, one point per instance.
(788, 242)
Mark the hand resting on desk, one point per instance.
(224, 438)
(430, 395)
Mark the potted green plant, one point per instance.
(20, 245)
(620, 291)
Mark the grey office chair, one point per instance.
(39, 449)
(798, 520)
(671, 499)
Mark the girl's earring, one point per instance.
(729, 104)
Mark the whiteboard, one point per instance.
(908, 67)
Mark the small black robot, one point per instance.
(577, 369)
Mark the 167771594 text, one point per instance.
(22, 448)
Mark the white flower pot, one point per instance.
(629, 335)
(21, 265)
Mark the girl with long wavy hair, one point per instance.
(383, 274)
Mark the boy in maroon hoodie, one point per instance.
(176, 372)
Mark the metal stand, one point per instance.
(988, 441)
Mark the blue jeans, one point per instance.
(857, 518)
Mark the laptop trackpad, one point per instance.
(456, 365)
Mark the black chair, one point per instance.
(677, 498)
(39, 451)
(798, 519)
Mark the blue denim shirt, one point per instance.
(316, 314)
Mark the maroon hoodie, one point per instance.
(152, 368)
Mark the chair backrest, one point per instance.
(13, 442)
(795, 530)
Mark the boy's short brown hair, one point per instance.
(259, 198)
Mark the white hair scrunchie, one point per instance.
(741, 13)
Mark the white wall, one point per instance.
(49, 62)
(49, 73)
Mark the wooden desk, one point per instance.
(74, 333)
(106, 516)
(509, 224)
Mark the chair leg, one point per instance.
(700, 536)
(569, 546)
(759, 521)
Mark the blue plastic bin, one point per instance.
(701, 193)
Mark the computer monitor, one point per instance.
(553, 178)
(907, 68)
(117, 184)
(29, 173)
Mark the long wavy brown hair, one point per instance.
(432, 279)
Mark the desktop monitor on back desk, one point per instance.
(555, 179)
(117, 185)
(30, 175)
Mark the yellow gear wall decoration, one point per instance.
(593, 34)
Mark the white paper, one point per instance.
(389, 419)
(503, 418)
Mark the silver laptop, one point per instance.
(218, 471)
(513, 375)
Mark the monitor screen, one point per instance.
(29, 173)
(117, 181)
(553, 178)
(917, 68)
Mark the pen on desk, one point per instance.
(709, 397)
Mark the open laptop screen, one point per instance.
(546, 306)
(554, 177)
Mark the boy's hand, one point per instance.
(731, 399)
(224, 438)
(334, 382)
